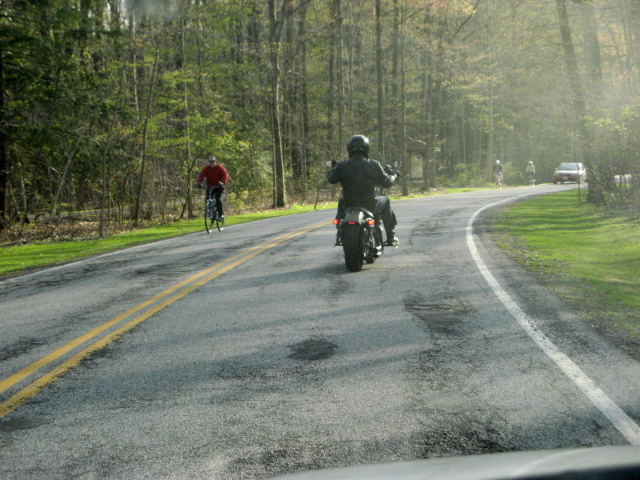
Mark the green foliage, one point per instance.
(95, 108)
(469, 175)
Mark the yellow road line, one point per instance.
(22, 374)
(208, 274)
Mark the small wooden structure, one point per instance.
(416, 152)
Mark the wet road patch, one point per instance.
(312, 349)
(21, 347)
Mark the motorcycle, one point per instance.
(361, 234)
(361, 237)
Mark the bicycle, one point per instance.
(532, 179)
(499, 179)
(211, 216)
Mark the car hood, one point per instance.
(622, 462)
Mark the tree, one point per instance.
(578, 101)
(379, 80)
(276, 23)
(273, 87)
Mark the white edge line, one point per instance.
(622, 422)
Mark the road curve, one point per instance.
(253, 352)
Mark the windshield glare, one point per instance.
(568, 166)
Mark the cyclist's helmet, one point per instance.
(358, 144)
(497, 162)
(530, 163)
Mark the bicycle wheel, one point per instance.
(209, 215)
(219, 222)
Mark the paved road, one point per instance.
(253, 352)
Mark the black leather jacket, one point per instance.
(359, 177)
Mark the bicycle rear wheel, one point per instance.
(209, 215)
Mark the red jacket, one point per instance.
(213, 175)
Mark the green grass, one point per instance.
(590, 256)
(37, 255)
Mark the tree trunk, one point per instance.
(134, 58)
(4, 167)
(276, 23)
(490, 134)
(592, 45)
(393, 138)
(595, 193)
(396, 147)
(632, 18)
(426, 81)
(379, 80)
(56, 198)
(339, 71)
(185, 87)
(402, 133)
(332, 86)
(104, 198)
(143, 154)
(304, 111)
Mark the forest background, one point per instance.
(108, 108)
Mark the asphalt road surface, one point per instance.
(253, 352)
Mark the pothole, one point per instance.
(444, 314)
(312, 349)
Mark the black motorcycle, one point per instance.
(360, 233)
(361, 237)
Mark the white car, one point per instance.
(570, 172)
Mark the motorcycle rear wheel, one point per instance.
(353, 246)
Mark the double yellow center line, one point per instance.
(157, 303)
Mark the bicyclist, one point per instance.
(497, 171)
(531, 172)
(216, 177)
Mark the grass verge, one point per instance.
(589, 256)
(24, 258)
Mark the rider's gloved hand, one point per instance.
(220, 186)
(389, 170)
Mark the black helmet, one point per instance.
(358, 143)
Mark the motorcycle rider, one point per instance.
(359, 177)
